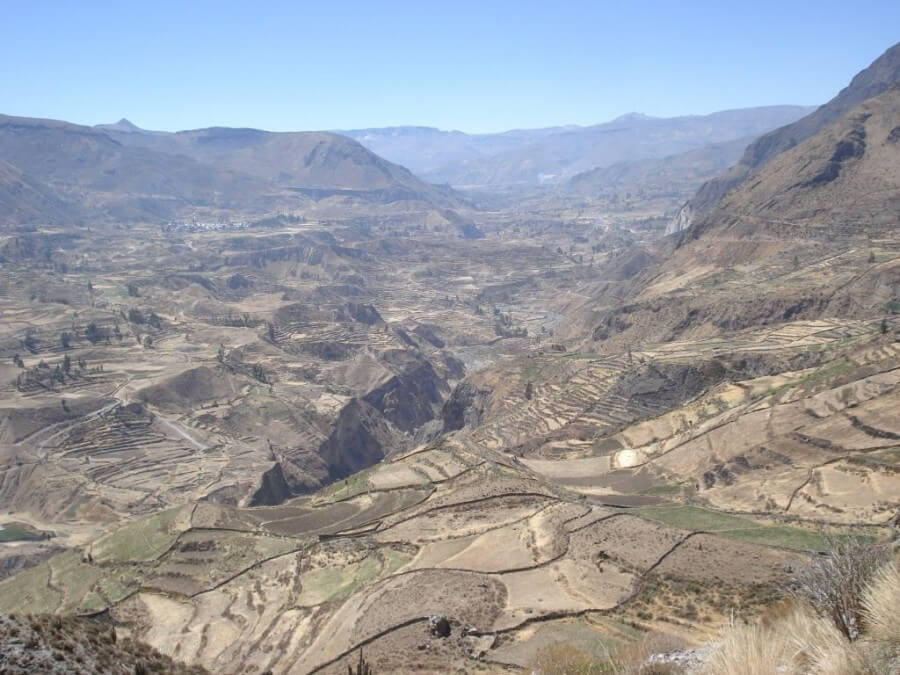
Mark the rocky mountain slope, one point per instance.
(63, 646)
(881, 75)
(24, 200)
(667, 177)
(811, 234)
(124, 174)
(841, 182)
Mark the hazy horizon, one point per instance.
(468, 68)
(561, 125)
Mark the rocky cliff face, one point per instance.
(682, 219)
(881, 75)
(465, 407)
(360, 439)
(413, 395)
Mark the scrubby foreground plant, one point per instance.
(844, 620)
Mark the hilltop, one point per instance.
(120, 173)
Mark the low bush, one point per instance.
(813, 638)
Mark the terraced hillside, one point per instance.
(145, 368)
(641, 503)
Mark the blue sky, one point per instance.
(473, 66)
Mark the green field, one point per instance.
(696, 518)
(351, 486)
(331, 583)
(19, 532)
(29, 592)
(693, 518)
(143, 540)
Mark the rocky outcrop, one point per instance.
(682, 220)
(366, 314)
(273, 488)
(465, 407)
(880, 76)
(413, 395)
(360, 438)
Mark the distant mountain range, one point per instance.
(54, 171)
(556, 154)
(429, 151)
(57, 172)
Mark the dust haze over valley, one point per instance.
(271, 400)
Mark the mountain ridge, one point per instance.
(459, 158)
(125, 173)
(879, 76)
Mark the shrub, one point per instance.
(806, 641)
(94, 333)
(881, 605)
(362, 667)
(834, 583)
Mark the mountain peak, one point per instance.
(632, 117)
(124, 125)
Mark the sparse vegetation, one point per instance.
(43, 643)
(835, 584)
(143, 540)
(94, 333)
(565, 659)
(635, 657)
(362, 667)
(810, 638)
(259, 373)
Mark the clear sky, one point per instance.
(473, 66)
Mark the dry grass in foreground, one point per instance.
(842, 618)
(813, 638)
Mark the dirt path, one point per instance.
(181, 432)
